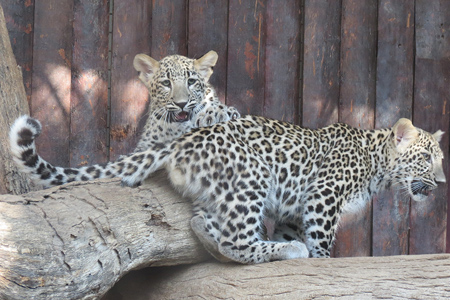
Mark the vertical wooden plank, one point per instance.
(321, 63)
(129, 97)
(394, 91)
(169, 28)
(431, 112)
(208, 27)
(282, 60)
(358, 63)
(19, 16)
(357, 106)
(52, 63)
(89, 96)
(448, 200)
(246, 50)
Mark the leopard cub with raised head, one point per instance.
(181, 96)
(240, 172)
(181, 99)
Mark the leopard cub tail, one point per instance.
(22, 135)
(133, 168)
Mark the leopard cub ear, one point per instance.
(146, 66)
(404, 134)
(204, 65)
(438, 135)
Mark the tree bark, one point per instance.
(359, 278)
(77, 240)
(13, 103)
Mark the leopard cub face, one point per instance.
(419, 168)
(177, 84)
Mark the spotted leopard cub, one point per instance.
(249, 169)
(181, 99)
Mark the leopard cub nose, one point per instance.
(181, 104)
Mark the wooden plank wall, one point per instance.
(430, 111)
(363, 62)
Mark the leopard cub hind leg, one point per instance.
(239, 248)
(230, 197)
(207, 232)
(242, 233)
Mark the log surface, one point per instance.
(77, 240)
(389, 277)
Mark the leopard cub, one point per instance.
(181, 99)
(246, 170)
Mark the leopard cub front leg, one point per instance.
(320, 222)
(214, 113)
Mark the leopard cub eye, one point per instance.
(191, 81)
(166, 82)
(426, 156)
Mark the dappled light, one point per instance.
(52, 87)
(132, 99)
(79, 100)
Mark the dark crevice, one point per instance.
(108, 114)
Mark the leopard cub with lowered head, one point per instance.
(243, 171)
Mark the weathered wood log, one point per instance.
(13, 103)
(359, 278)
(77, 240)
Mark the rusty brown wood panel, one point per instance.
(357, 106)
(129, 97)
(89, 96)
(431, 112)
(169, 28)
(19, 16)
(282, 60)
(321, 62)
(394, 91)
(246, 50)
(208, 28)
(52, 64)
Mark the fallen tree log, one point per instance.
(359, 278)
(77, 240)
